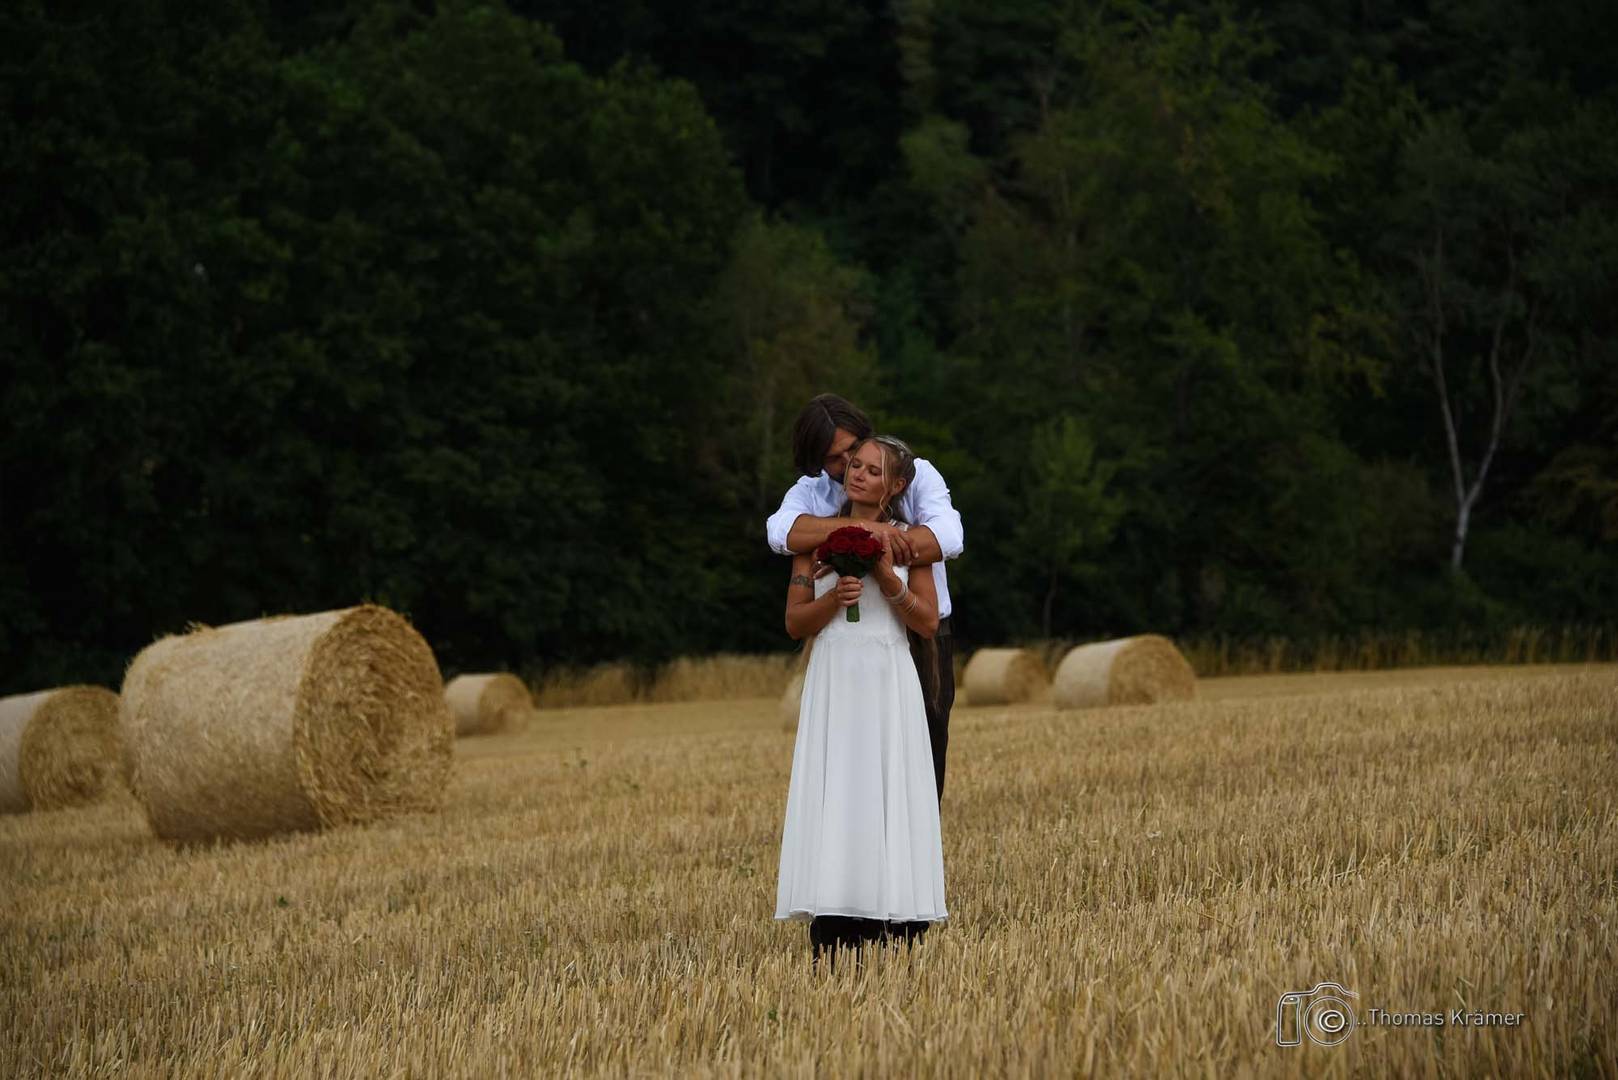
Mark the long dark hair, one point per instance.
(899, 463)
(817, 425)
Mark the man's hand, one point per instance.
(886, 577)
(904, 552)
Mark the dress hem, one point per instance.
(803, 915)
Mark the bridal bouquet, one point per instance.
(852, 552)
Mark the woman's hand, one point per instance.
(893, 535)
(883, 570)
(848, 591)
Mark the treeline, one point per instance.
(1230, 319)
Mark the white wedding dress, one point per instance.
(862, 834)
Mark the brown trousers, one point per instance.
(937, 709)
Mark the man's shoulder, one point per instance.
(819, 488)
(927, 469)
(820, 483)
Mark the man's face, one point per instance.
(837, 454)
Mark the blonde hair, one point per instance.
(898, 463)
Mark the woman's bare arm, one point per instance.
(805, 613)
(916, 604)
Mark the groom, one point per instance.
(821, 438)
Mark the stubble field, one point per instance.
(1130, 892)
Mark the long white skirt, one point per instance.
(862, 834)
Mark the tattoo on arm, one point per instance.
(802, 579)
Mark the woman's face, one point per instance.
(866, 480)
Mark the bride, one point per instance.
(862, 854)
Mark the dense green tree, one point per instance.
(127, 138)
(1504, 259)
(1153, 265)
(793, 312)
(362, 322)
(1070, 515)
(499, 315)
(1486, 229)
(804, 88)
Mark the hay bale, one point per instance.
(483, 704)
(286, 723)
(1127, 671)
(792, 700)
(58, 748)
(1003, 676)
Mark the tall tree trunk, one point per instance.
(1463, 517)
(1505, 389)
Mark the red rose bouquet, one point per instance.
(852, 552)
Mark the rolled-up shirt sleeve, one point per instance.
(799, 499)
(929, 497)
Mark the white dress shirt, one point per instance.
(924, 502)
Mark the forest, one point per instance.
(1219, 318)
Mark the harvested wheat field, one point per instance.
(1131, 891)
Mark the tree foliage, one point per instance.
(500, 315)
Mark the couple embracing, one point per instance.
(862, 855)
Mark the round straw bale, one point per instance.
(1002, 676)
(57, 747)
(286, 723)
(792, 700)
(1127, 671)
(486, 703)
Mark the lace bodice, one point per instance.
(878, 620)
